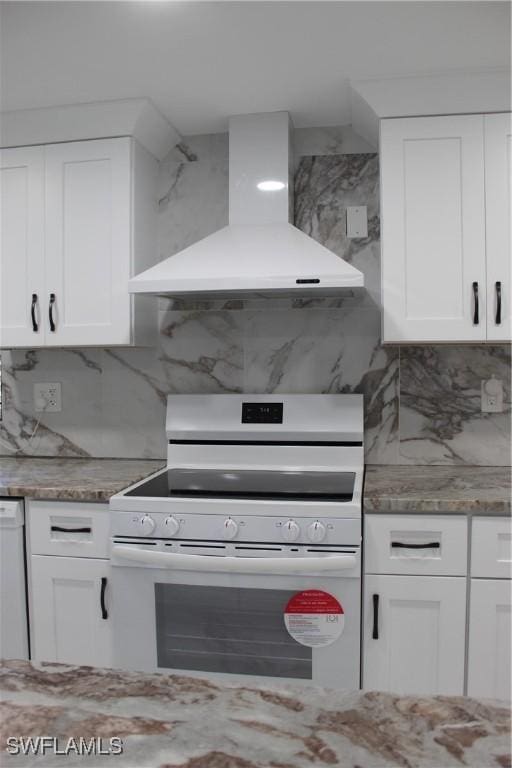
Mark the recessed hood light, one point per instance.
(260, 252)
(271, 186)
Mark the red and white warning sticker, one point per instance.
(314, 618)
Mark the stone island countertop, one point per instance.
(174, 721)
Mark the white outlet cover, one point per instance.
(47, 397)
(492, 395)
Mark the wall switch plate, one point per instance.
(492, 395)
(48, 398)
(357, 221)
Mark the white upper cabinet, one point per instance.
(498, 211)
(436, 241)
(79, 219)
(22, 245)
(88, 241)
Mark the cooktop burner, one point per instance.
(249, 484)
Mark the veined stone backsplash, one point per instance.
(422, 404)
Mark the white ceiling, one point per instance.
(202, 61)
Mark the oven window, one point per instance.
(227, 629)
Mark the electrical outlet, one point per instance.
(48, 398)
(492, 395)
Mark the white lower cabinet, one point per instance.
(414, 634)
(490, 611)
(70, 610)
(490, 617)
(417, 638)
(69, 582)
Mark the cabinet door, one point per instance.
(498, 208)
(68, 622)
(88, 242)
(419, 624)
(433, 229)
(22, 246)
(489, 669)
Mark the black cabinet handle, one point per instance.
(50, 312)
(35, 326)
(375, 633)
(476, 318)
(60, 529)
(402, 545)
(104, 612)
(498, 302)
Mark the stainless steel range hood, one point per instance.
(259, 252)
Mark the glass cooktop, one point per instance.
(249, 484)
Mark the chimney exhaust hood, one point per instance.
(259, 252)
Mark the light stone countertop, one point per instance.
(431, 489)
(174, 721)
(71, 479)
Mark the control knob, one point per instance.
(291, 531)
(230, 528)
(147, 525)
(172, 525)
(316, 531)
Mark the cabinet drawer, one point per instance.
(66, 528)
(406, 544)
(491, 547)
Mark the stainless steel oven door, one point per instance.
(210, 616)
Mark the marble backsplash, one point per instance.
(422, 403)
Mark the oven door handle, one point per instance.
(213, 564)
